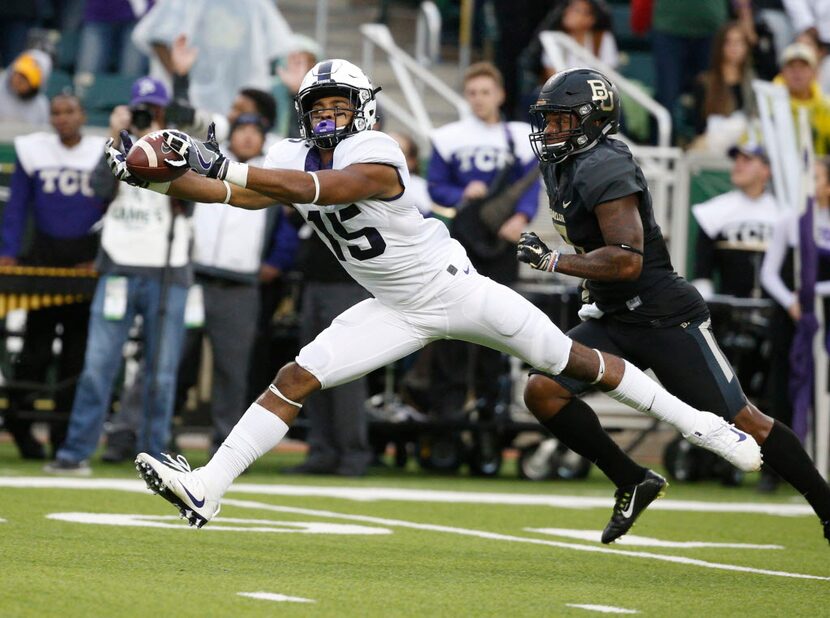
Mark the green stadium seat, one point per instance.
(107, 91)
(639, 66)
(59, 81)
(67, 50)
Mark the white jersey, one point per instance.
(385, 245)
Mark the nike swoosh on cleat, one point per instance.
(741, 435)
(628, 511)
(467, 271)
(196, 502)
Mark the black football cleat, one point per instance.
(631, 501)
(826, 525)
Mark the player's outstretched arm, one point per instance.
(620, 260)
(354, 183)
(189, 187)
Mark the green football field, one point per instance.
(400, 543)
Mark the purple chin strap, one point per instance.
(324, 126)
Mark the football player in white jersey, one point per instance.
(350, 184)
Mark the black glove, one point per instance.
(531, 250)
(204, 158)
(117, 160)
(180, 114)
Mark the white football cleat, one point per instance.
(735, 446)
(174, 481)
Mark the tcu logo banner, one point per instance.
(600, 93)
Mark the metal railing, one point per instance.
(428, 34)
(321, 24)
(411, 77)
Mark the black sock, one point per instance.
(577, 426)
(783, 452)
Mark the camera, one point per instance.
(142, 116)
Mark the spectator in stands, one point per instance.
(182, 114)
(417, 183)
(303, 55)
(237, 44)
(228, 252)
(472, 159)
(21, 89)
(682, 41)
(518, 23)
(798, 75)
(734, 228)
(810, 16)
(778, 280)
(810, 38)
(145, 271)
(51, 184)
(588, 22)
(105, 44)
(724, 99)
(755, 25)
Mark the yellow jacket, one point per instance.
(818, 110)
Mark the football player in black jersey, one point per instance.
(641, 309)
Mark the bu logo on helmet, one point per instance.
(601, 93)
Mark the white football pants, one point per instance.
(469, 307)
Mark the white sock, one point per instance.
(256, 433)
(642, 393)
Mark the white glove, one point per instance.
(117, 161)
(590, 311)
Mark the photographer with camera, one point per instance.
(145, 269)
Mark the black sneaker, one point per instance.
(631, 501)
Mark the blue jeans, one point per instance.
(678, 60)
(103, 362)
(96, 49)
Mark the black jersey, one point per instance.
(604, 173)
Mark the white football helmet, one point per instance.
(336, 78)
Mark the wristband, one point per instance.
(158, 187)
(228, 192)
(554, 262)
(316, 187)
(237, 173)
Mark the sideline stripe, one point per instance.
(605, 609)
(373, 494)
(518, 539)
(272, 596)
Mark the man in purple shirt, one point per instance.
(51, 184)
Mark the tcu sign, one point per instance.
(66, 182)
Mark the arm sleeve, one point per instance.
(16, 211)
(605, 179)
(528, 203)
(771, 279)
(441, 183)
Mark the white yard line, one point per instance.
(272, 596)
(375, 494)
(645, 541)
(604, 609)
(518, 539)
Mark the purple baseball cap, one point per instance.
(149, 90)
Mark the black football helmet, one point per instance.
(590, 97)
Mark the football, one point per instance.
(146, 159)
